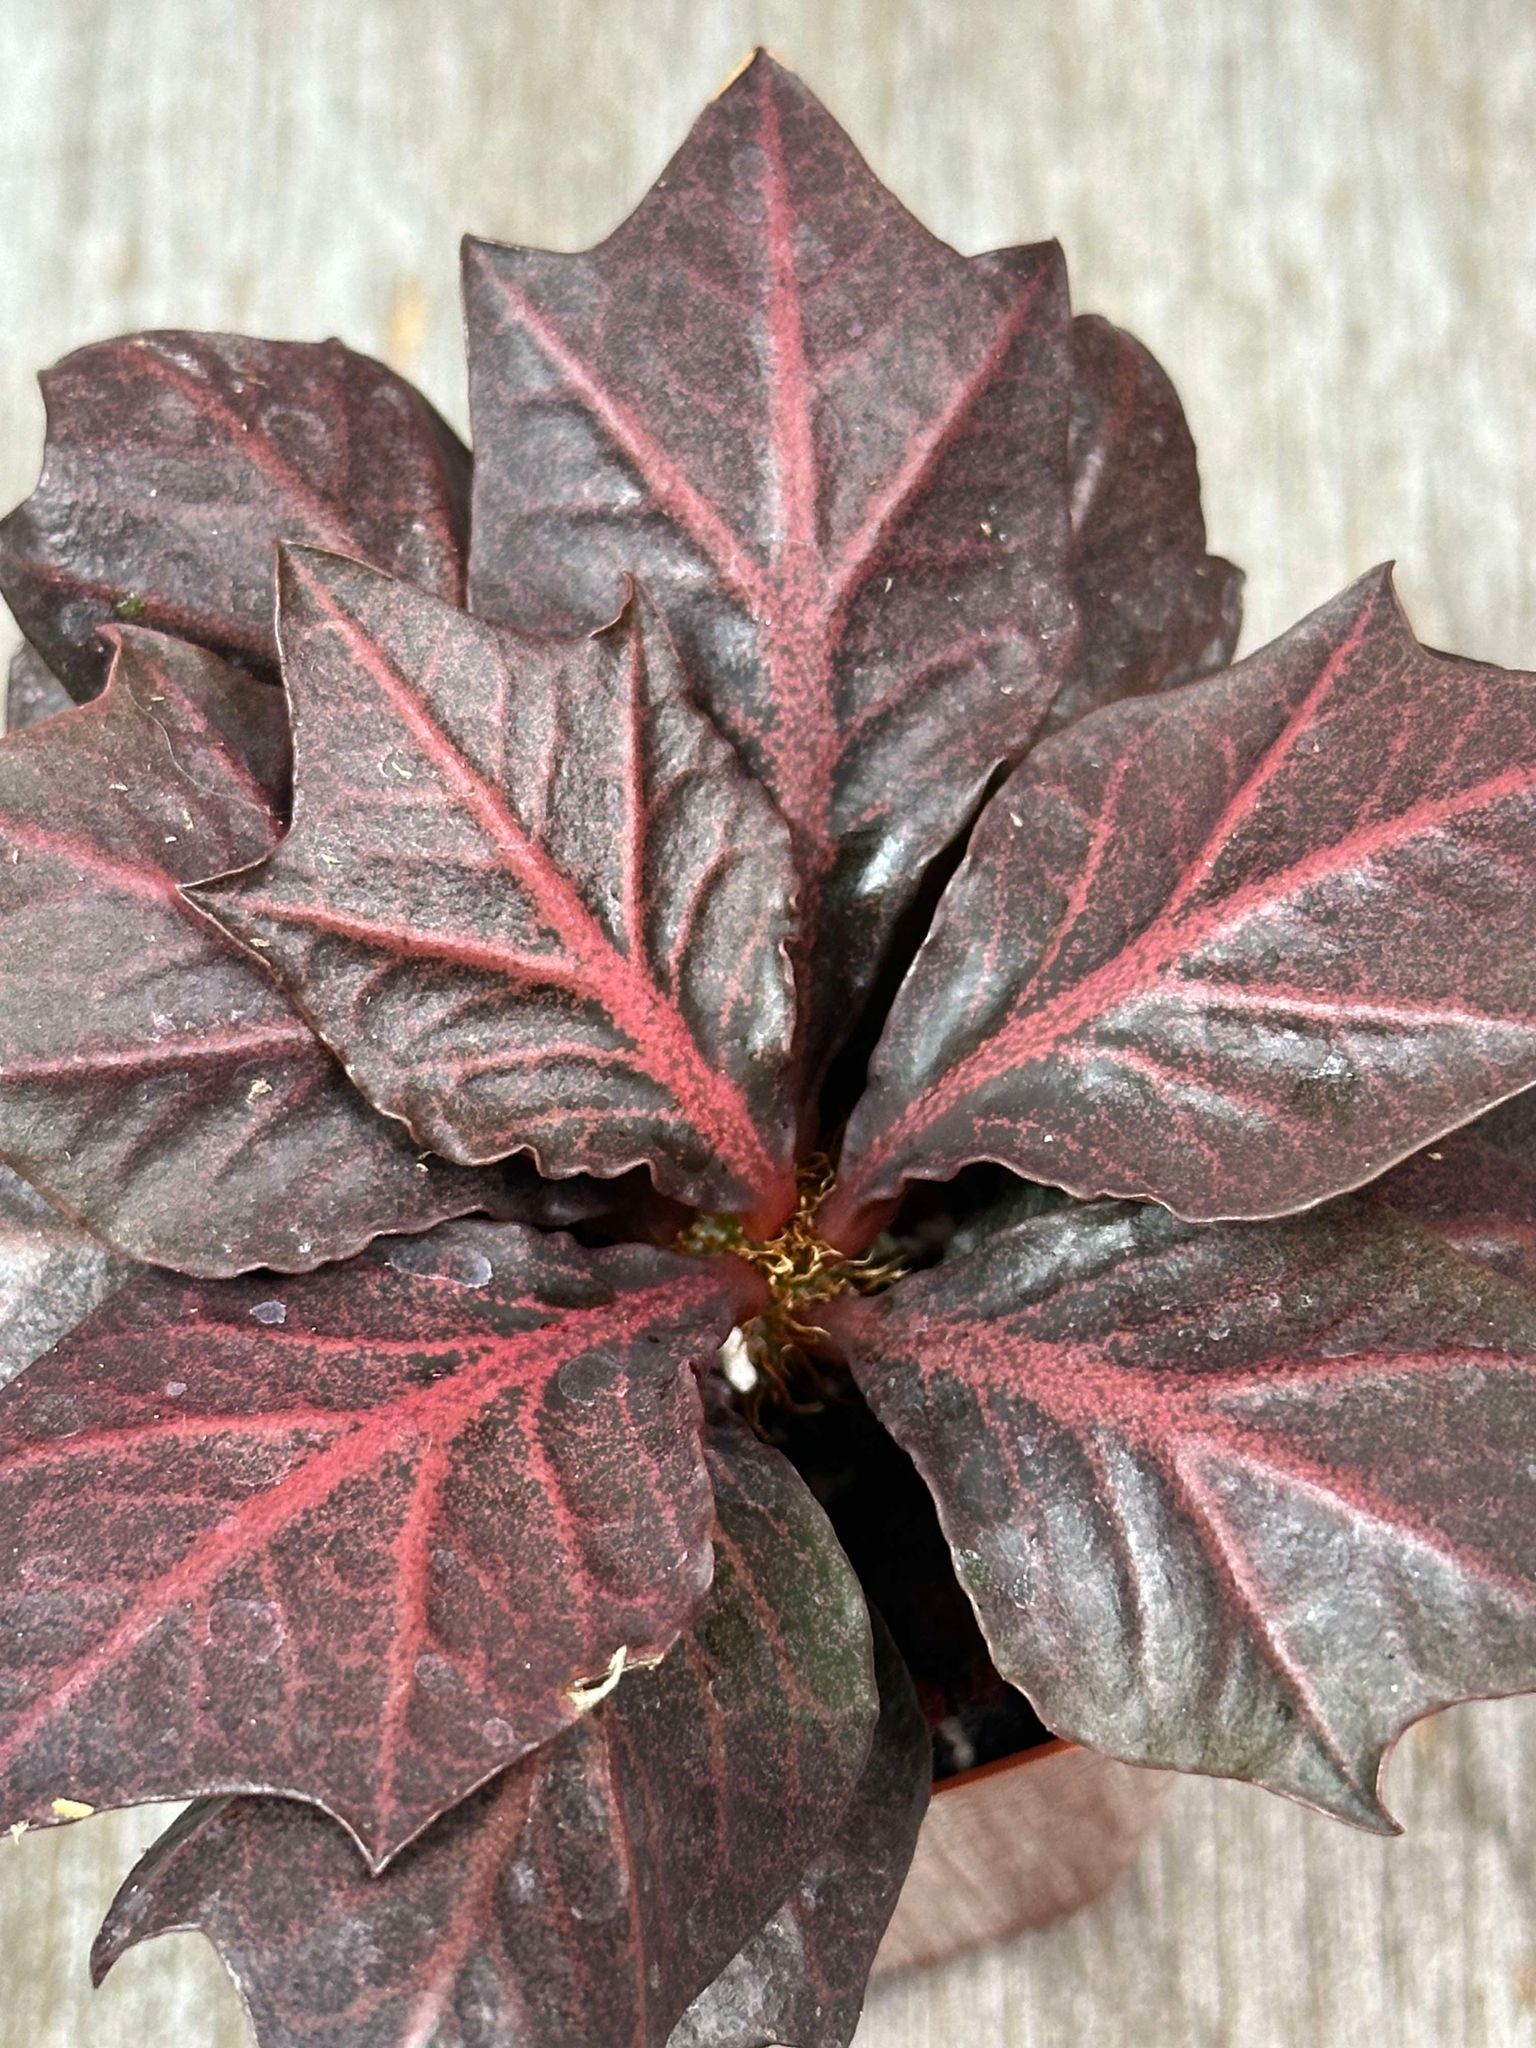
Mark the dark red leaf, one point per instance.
(33, 692)
(1212, 946)
(835, 453)
(175, 462)
(358, 1537)
(51, 1274)
(1244, 1501)
(530, 896)
(154, 1082)
(801, 1978)
(585, 1897)
(1477, 1188)
(1155, 608)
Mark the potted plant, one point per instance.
(720, 1116)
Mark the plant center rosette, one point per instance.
(769, 863)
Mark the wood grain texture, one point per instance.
(1318, 215)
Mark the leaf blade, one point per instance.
(585, 1896)
(1225, 1498)
(154, 1083)
(563, 931)
(1477, 1189)
(833, 450)
(491, 1439)
(1156, 609)
(52, 1274)
(32, 691)
(176, 461)
(802, 1976)
(1207, 947)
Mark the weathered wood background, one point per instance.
(1320, 213)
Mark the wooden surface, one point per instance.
(1319, 213)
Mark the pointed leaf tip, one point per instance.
(491, 1438)
(552, 1907)
(154, 1082)
(835, 453)
(1285, 1469)
(529, 896)
(1234, 974)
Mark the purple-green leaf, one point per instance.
(1477, 1188)
(32, 691)
(1154, 608)
(800, 1980)
(52, 1274)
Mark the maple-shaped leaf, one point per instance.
(361, 1536)
(154, 1082)
(582, 1899)
(1477, 1188)
(1240, 1500)
(32, 691)
(1212, 946)
(834, 451)
(52, 1274)
(1155, 609)
(802, 1976)
(174, 463)
(529, 895)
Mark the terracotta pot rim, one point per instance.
(1015, 1849)
(1054, 1745)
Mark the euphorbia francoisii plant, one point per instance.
(755, 914)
